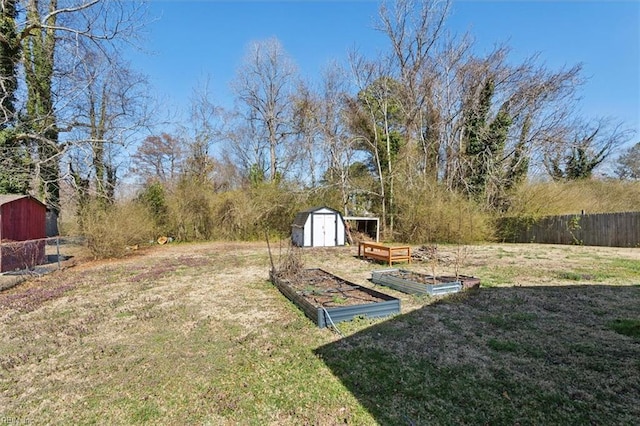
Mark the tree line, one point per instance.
(67, 100)
(428, 123)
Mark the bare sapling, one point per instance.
(434, 262)
(289, 264)
(460, 257)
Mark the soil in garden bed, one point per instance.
(321, 288)
(467, 281)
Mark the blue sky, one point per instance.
(193, 40)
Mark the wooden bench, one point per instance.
(384, 253)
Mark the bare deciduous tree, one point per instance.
(628, 163)
(245, 146)
(338, 145)
(415, 31)
(364, 123)
(264, 85)
(53, 36)
(159, 158)
(479, 145)
(306, 134)
(107, 110)
(205, 120)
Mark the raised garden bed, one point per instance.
(417, 283)
(326, 298)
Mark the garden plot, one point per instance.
(326, 298)
(417, 283)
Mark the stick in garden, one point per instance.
(266, 235)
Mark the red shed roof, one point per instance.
(7, 198)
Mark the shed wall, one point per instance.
(308, 229)
(22, 219)
(297, 236)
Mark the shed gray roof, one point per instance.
(301, 217)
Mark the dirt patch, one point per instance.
(403, 274)
(321, 288)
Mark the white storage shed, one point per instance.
(318, 227)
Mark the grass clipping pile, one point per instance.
(316, 286)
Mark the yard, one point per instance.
(196, 334)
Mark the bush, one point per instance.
(110, 229)
(560, 198)
(274, 208)
(432, 214)
(232, 215)
(533, 201)
(153, 197)
(247, 214)
(190, 217)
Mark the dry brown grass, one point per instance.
(194, 333)
(591, 196)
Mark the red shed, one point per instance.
(22, 219)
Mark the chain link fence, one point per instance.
(20, 260)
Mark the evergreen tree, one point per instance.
(519, 165)
(583, 156)
(476, 121)
(580, 164)
(14, 158)
(484, 140)
(38, 53)
(9, 58)
(14, 164)
(383, 135)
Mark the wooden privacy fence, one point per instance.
(604, 229)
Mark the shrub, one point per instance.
(273, 208)
(232, 215)
(153, 197)
(432, 214)
(111, 228)
(560, 198)
(190, 216)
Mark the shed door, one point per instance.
(324, 230)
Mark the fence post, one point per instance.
(58, 250)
